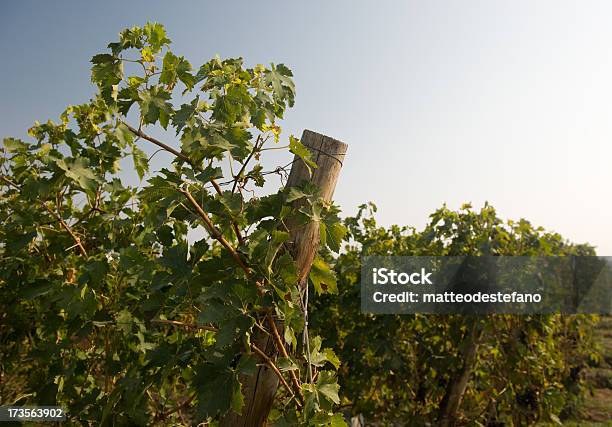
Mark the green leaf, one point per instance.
(156, 36)
(217, 389)
(256, 175)
(209, 174)
(141, 161)
(279, 78)
(184, 114)
(106, 72)
(129, 38)
(237, 396)
(78, 170)
(220, 142)
(286, 364)
(247, 364)
(300, 150)
(276, 241)
(337, 420)
(327, 385)
(153, 102)
(35, 290)
(285, 267)
(335, 233)
(164, 118)
(294, 194)
(319, 357)
(289, 336)
(123, 135)
(183, 69)
(232, 330)
(12, 145)
(311, 396)
(323, 277)
(175, 68)
(325, 419)
(214, 313)
(135, 81)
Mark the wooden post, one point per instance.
(328, 154)
(259, 389)
(458, 383)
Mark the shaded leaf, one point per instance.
(323, 277)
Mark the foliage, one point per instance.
(399, 368)
(107, 307)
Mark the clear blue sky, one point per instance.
(440, 101)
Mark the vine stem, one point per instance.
(216, 234)
(66, 227)
(283, 350)
(157, 142)
(185, 325)
(186, 403)
(248, 159)
(306, 335)
(278, 373)
(185, 158)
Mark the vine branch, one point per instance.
(214, 232)
(283, 350)
(66, 227)
(271, 364)
(185, 325)
(186, 159)
(160, 144)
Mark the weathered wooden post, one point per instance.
(259, 390)
(328, 154)
(457, 385)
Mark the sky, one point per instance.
(439, 101)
